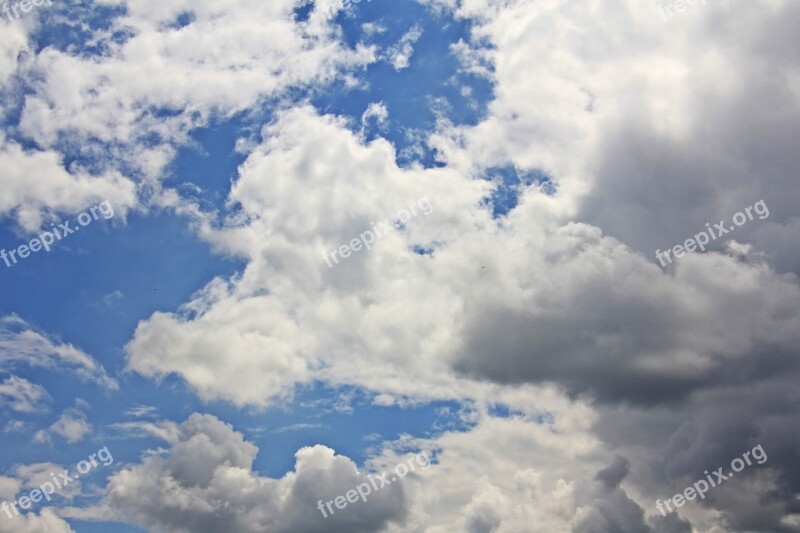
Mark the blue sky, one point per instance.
(520, 332)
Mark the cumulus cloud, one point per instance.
(552, 293)
(44, 522)
(164, 70)
(206, 483)
(56, 188)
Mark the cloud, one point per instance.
(219, 59)
(72, 425)
(46, 521)
(205, 483)
(8, 488)
(165, 430)
(648, 130)
(21, 345)
(34, 475)
(376, 110)
(297, 427)
(400, 54)
(113, 297)
(142, 411)
(15, 426)
(551, 294)
(202, 62)
(34, 202)
(22, 395)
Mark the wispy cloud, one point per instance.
(400, 54)
(165, 430)
(297, 427)
(22, 346)
(72, 425)
(23, 396)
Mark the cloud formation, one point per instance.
(205, 483)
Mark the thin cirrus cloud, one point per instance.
(22, 346)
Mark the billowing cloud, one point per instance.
(206, 483)
(165, 69)
(559, 291)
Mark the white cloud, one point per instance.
(165, 430)
(543, 296)
(159, 82)
(44, 522)
(9, 487)
(376, 110)
(142, 411)
(72, 425)
(22, 395)
(15, 426)
(205, 483)
(21, 345)
(400, 54)
(34, 475)
(56, 189)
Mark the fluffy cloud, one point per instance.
(165, 69)
(45, 522)
(55, 189)
(205, 483)
(557, 292)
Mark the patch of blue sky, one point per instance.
(431, 87)
(91, 291)
(510, 182)
(210, 164)
(96, 284)
(71, 27)
(342, 418)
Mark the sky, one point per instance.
(535, 260)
